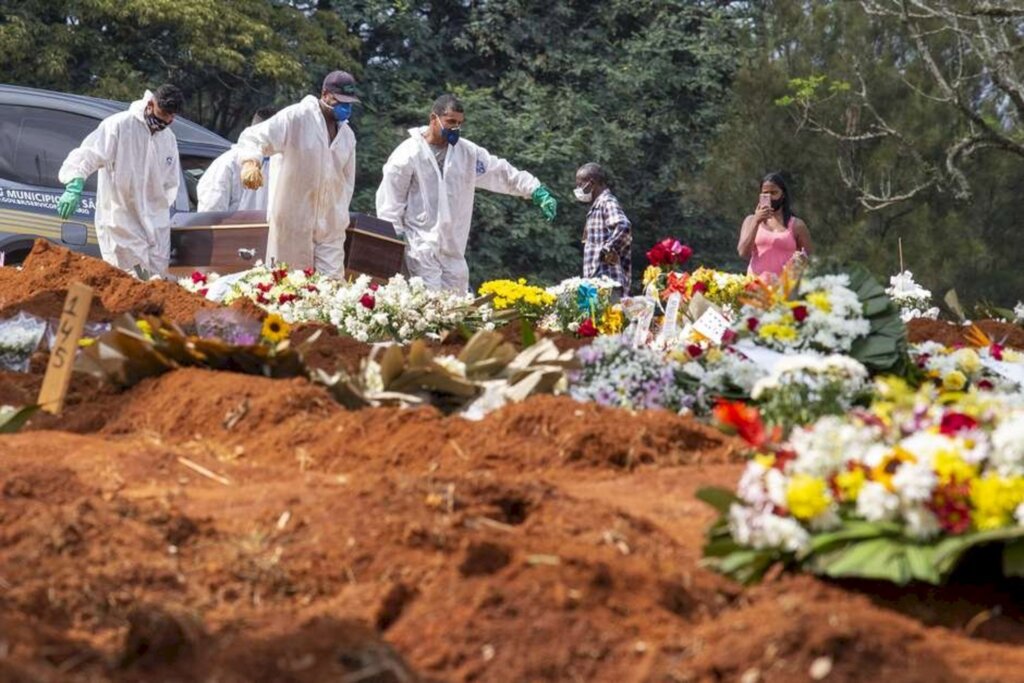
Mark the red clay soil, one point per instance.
(952, 334)
(40, 286)
(551, 541)
(211, 526)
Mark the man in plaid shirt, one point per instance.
(607, 237)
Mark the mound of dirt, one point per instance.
(954, 334)
(41, 285)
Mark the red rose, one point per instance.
(800, 313)
(374, 286)
(956, 422)
(728, 337)
(986, 385)
(996, 350)
(198, 278)
(312, 288)
(261, 298)
(752, 324)
(202, 292)
(285, 298)
(264, 287)
(309, 272)
(587, 329)
(694, 350)
(669, 251)
(699, 287)
(368, 301)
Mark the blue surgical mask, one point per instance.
(342, 111)
(450, 135)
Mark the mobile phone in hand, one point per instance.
(764, 201)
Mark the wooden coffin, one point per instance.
(229, 241)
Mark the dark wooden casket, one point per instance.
(229, 241)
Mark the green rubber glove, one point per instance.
(72, 197)
(543, 198)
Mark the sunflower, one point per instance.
(275, 329)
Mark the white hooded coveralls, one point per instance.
(311, 183)
(138, 180)
(220, 187)
(436, 223)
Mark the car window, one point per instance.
(34, 143)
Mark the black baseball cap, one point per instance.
(342, 85)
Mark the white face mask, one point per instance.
(582, 196)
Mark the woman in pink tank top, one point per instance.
(772, 235)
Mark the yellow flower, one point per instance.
(275, 329)
(954, 381)
(86, 341)
(517, 294)
(714, 354)
(967, 360)
(949, 466)
(777, 331)
(807, 496)
(611, 320)
(820, 301)
(994, 501)
(651, 273)
(145, 328)
(765, 460)
(850, 483)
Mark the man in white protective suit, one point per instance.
(220, 187)
(312, 176)
(427, 194)
(137, 159)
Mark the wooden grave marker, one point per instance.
(65, 346)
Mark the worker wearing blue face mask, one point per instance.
(428, 188)
(312, 176)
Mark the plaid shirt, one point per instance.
(607, 231)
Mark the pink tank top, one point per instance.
(772, 250)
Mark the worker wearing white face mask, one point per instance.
(427, 194)
(139, 172)
(312, 177)
(220, 187)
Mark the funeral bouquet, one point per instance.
(615, 373)
(583, 306)
(402, 309)
(814, 314)
(529, 301)
(913, 300)
(986, 365)
(899, 491)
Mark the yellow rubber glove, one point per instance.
(252, 174)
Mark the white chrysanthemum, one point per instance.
(1007, 454)
(876, 504)
(762, 529)
(824, 447)
(925, 445)
(915, 481)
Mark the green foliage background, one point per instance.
(677, 98)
